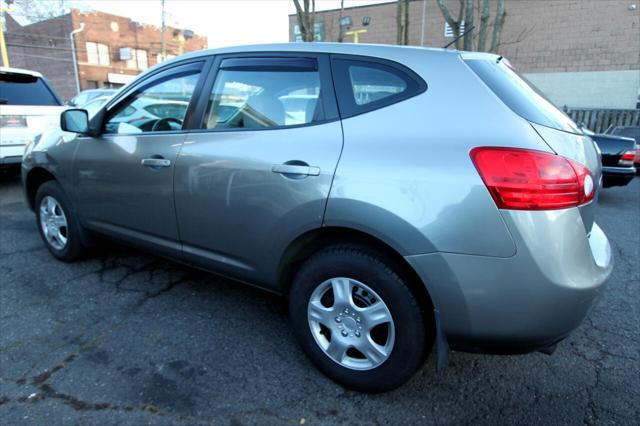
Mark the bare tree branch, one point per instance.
(497, 26)
(340, 29)
(402, 22)
(306, 18)
(455, 25)
(468, 24)
(484, 24)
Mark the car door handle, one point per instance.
(294, 169)
(155, 162)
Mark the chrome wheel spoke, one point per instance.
(376, 314)
(59, 221)
(51, 205)
(372, 351)
(342, 291)
(317, 312)
(337, 349)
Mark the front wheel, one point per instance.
(59, 228)
(357, 320)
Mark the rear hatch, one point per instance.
(28, 105)
(555, 128)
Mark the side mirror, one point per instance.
(75, 120)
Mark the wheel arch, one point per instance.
(310, 242)
(34, 179)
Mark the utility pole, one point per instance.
(3, 45)
(73, 55)
(163, 51)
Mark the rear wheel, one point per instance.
(58, 226)
(357, 320)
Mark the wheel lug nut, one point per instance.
(346, 310)
(345, 333)
(338, 319)
(357, 333)
(358, 319)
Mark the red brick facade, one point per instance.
(538, 35)
(119, 32)
(45, 47)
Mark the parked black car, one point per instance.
(629, 132)
(618, 154)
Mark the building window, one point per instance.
(167, 57)
(318, 32)
(97, 53)
(448, 32)
(138, 59)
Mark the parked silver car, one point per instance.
(399, 197)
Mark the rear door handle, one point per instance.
(155, 162)
(293, 169)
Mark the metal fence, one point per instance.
(599, 120)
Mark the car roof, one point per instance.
(20, 71)
(366, 49)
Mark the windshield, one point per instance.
(520, 95)
(25, 89)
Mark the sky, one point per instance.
(223, 22)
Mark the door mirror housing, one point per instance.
(75, 120)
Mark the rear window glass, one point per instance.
(630, 132)
(520, 95)
(22, 89)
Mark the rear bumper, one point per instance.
(525, 302)
(11, 154)
(617, 176)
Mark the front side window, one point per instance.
(160, 107)
(255, 99)
(97, 53)
(363, 85)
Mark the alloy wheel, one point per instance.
(351, 323)
(53, 222)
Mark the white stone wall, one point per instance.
(591, 89)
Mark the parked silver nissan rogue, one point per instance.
(402, 198)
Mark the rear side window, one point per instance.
(520, 95)
(366, 85)
(24, 89)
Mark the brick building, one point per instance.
(581, 53)
(111, 50)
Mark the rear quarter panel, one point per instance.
(405, 174)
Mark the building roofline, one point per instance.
(353, 7)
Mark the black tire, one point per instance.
(77, 237)
(412, 338)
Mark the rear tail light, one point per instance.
(627, 158)
(521, 179)
(13, 121)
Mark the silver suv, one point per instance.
(401, 198)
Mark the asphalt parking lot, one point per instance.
(128, 338)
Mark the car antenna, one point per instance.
(459, 37)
